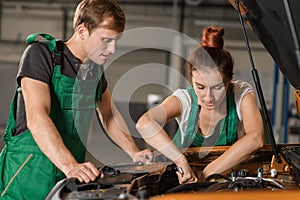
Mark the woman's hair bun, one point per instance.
(212, 37)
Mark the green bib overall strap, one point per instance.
(41, 37)
(226, 127)
(193, 116)
(232, 118)
(54, 47)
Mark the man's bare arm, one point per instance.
(38, 104)
(117, 129)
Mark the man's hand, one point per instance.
(145, 156)
(84, 172)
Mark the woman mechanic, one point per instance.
(214, 110)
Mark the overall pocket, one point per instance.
(10, 175)
(28, 176)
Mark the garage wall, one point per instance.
(20, 18)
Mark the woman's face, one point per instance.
(209, 87)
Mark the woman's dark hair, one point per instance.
(213, 44)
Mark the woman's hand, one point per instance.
(184, 172)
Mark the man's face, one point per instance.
(100, 44)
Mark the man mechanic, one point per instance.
(51, 112)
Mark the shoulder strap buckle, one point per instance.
(49, 40)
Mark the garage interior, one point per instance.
(20, 18)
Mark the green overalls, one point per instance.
(225, 132)
(26, 173)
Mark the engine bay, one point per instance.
(159, 179)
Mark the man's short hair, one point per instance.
(93, 14)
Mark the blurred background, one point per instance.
(20, 18)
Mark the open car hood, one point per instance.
(277, 25)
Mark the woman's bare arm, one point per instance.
(150, 126)
(245, 146)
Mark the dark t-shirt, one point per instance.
(37, 63)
